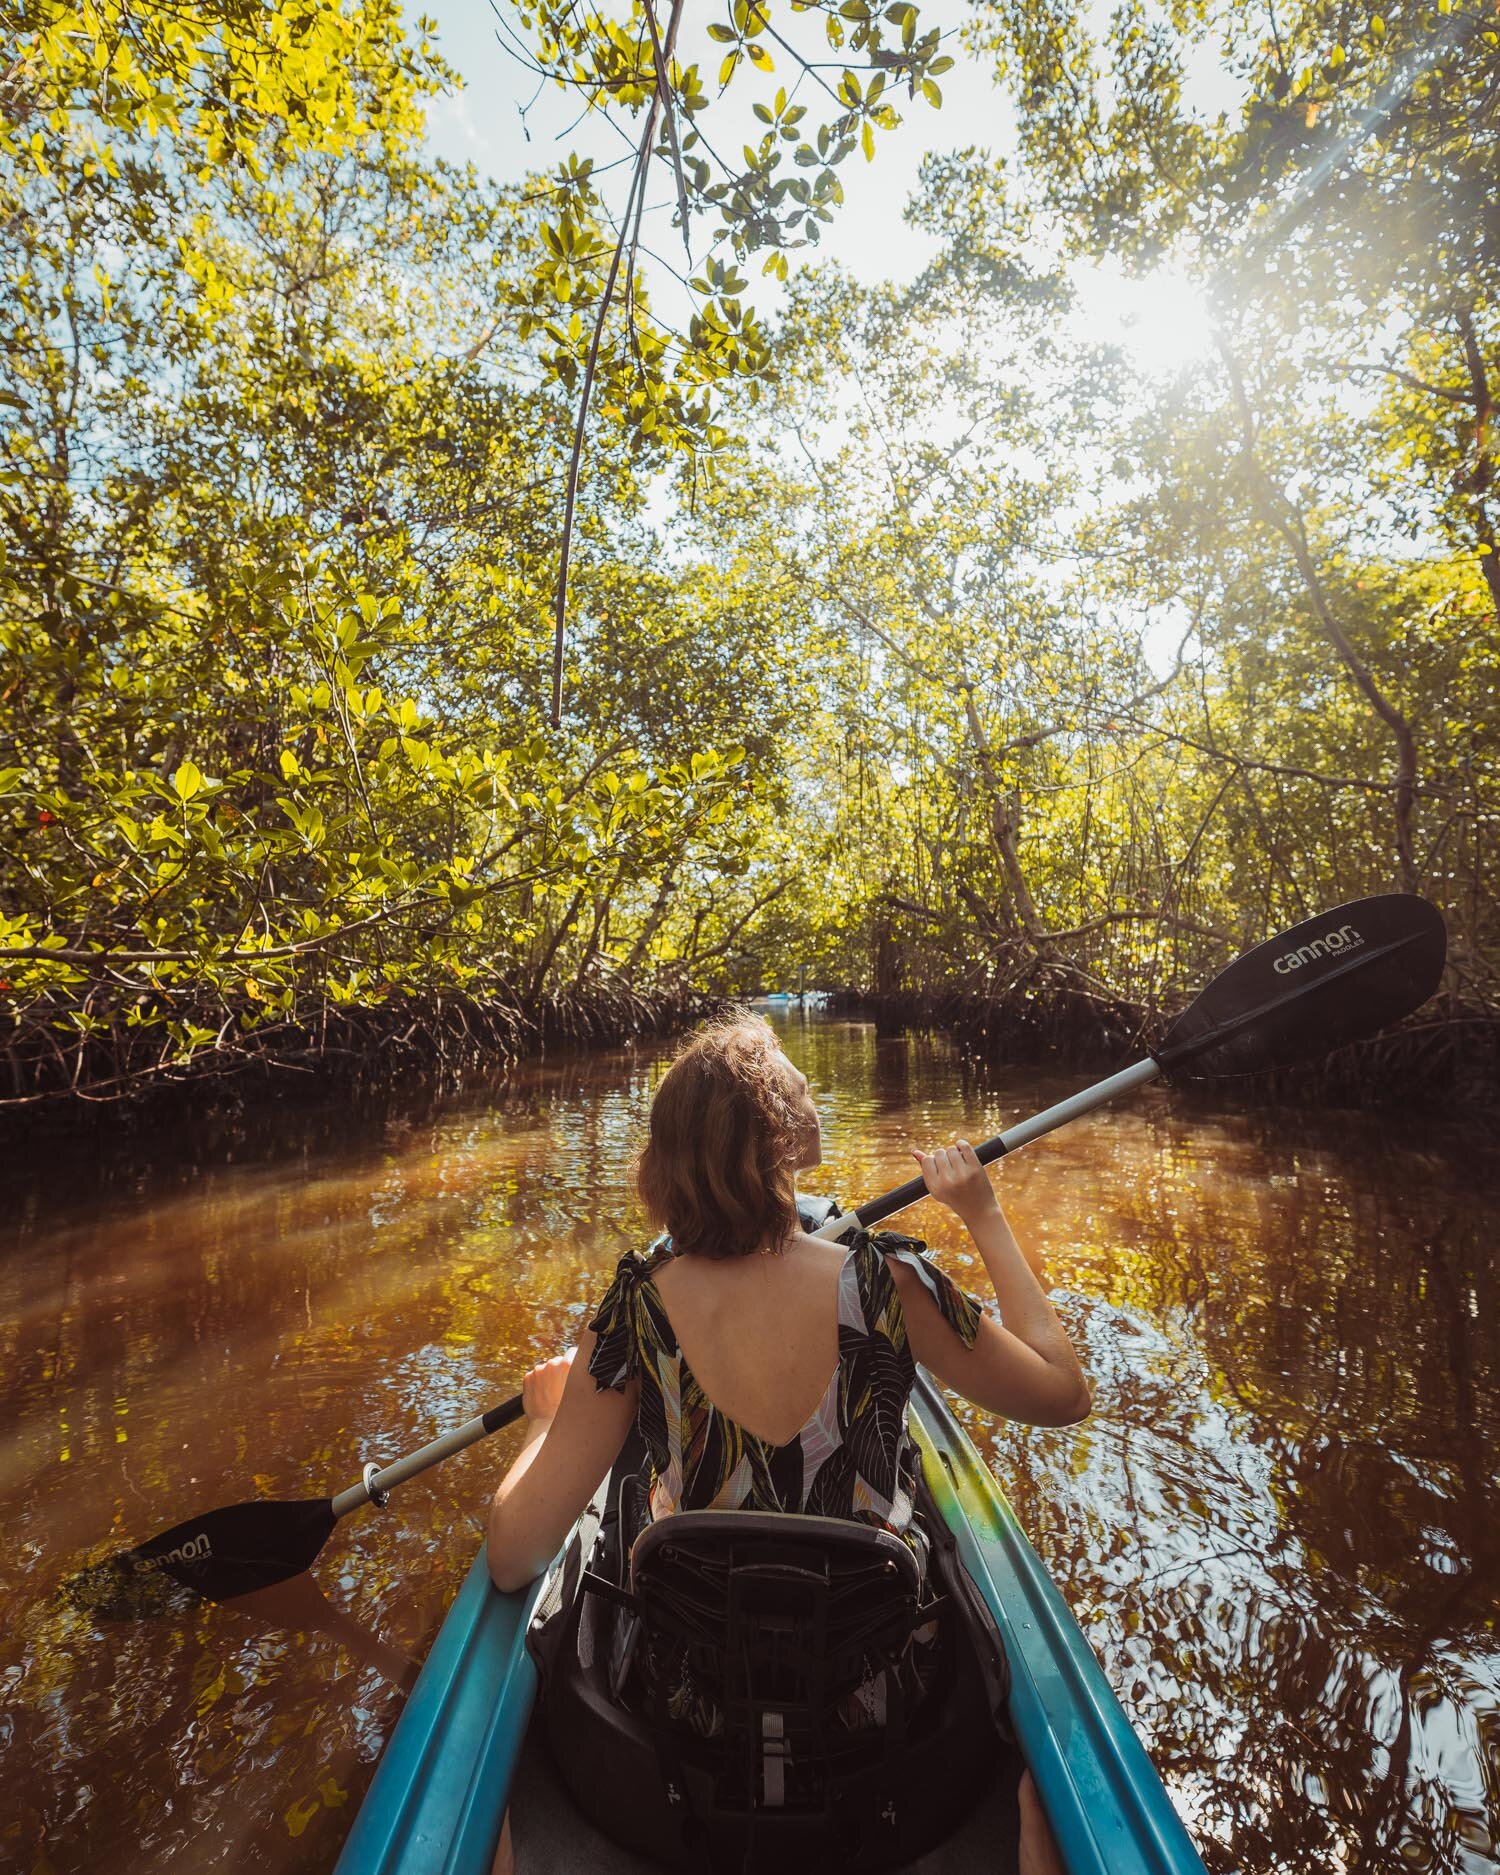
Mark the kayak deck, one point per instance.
(551, 1838)
(460, 1749)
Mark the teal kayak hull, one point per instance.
(440, 1791)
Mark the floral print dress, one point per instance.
(853, 1458)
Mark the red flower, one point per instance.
(44, 817)
(6, 986)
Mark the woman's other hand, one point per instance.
(573, 1431)
(542, 1389)
(955, 1178)
(1038, 1851)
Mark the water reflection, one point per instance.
(299, 1606)
(1281, 1519)
(1278, 1528)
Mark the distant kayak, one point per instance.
(1016, 1683)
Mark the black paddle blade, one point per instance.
(1335, 979)
(215, 1556)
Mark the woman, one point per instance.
(761, 1364)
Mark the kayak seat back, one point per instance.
(770, 1691)
(789, 1635)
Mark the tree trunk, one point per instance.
(655, 918)
(1286, 518)
(539, 975)
(1005, 816)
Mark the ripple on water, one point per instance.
(1278, 1529)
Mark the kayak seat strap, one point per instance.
(592, 1583)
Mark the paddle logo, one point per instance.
(194, 1550)
(1331, 944)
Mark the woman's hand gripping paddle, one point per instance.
(1329, 981)
(1332, 980)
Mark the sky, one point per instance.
(484, 125)
(508, 124)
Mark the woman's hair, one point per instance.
(719, 1171)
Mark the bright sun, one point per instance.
(1160, 319)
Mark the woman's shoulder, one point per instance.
(637, 1264)
(877, 1251)
(891, 1263)
(617, 1324)
(636, 1271)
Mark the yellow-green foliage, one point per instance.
(978, 651)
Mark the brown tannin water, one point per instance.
(1279, 1529)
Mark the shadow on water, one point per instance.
(1279, 1527)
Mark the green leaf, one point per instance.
(188, 781)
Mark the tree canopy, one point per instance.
(394, 603)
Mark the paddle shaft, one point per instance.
(1335, 950)
(876, 1210)
(375, 1483)
(1047, 1121)
(1324, 983)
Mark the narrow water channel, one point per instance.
(1279, 1529)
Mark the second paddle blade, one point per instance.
(1334, 979)
(218, 1555)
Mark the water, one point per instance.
(1278, 1529)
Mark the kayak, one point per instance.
(475, 1740)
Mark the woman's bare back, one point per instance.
(759, 1333)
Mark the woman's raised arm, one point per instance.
(1023, 1365)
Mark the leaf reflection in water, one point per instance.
(1280, 1527)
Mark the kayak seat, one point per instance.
(801, 1735)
